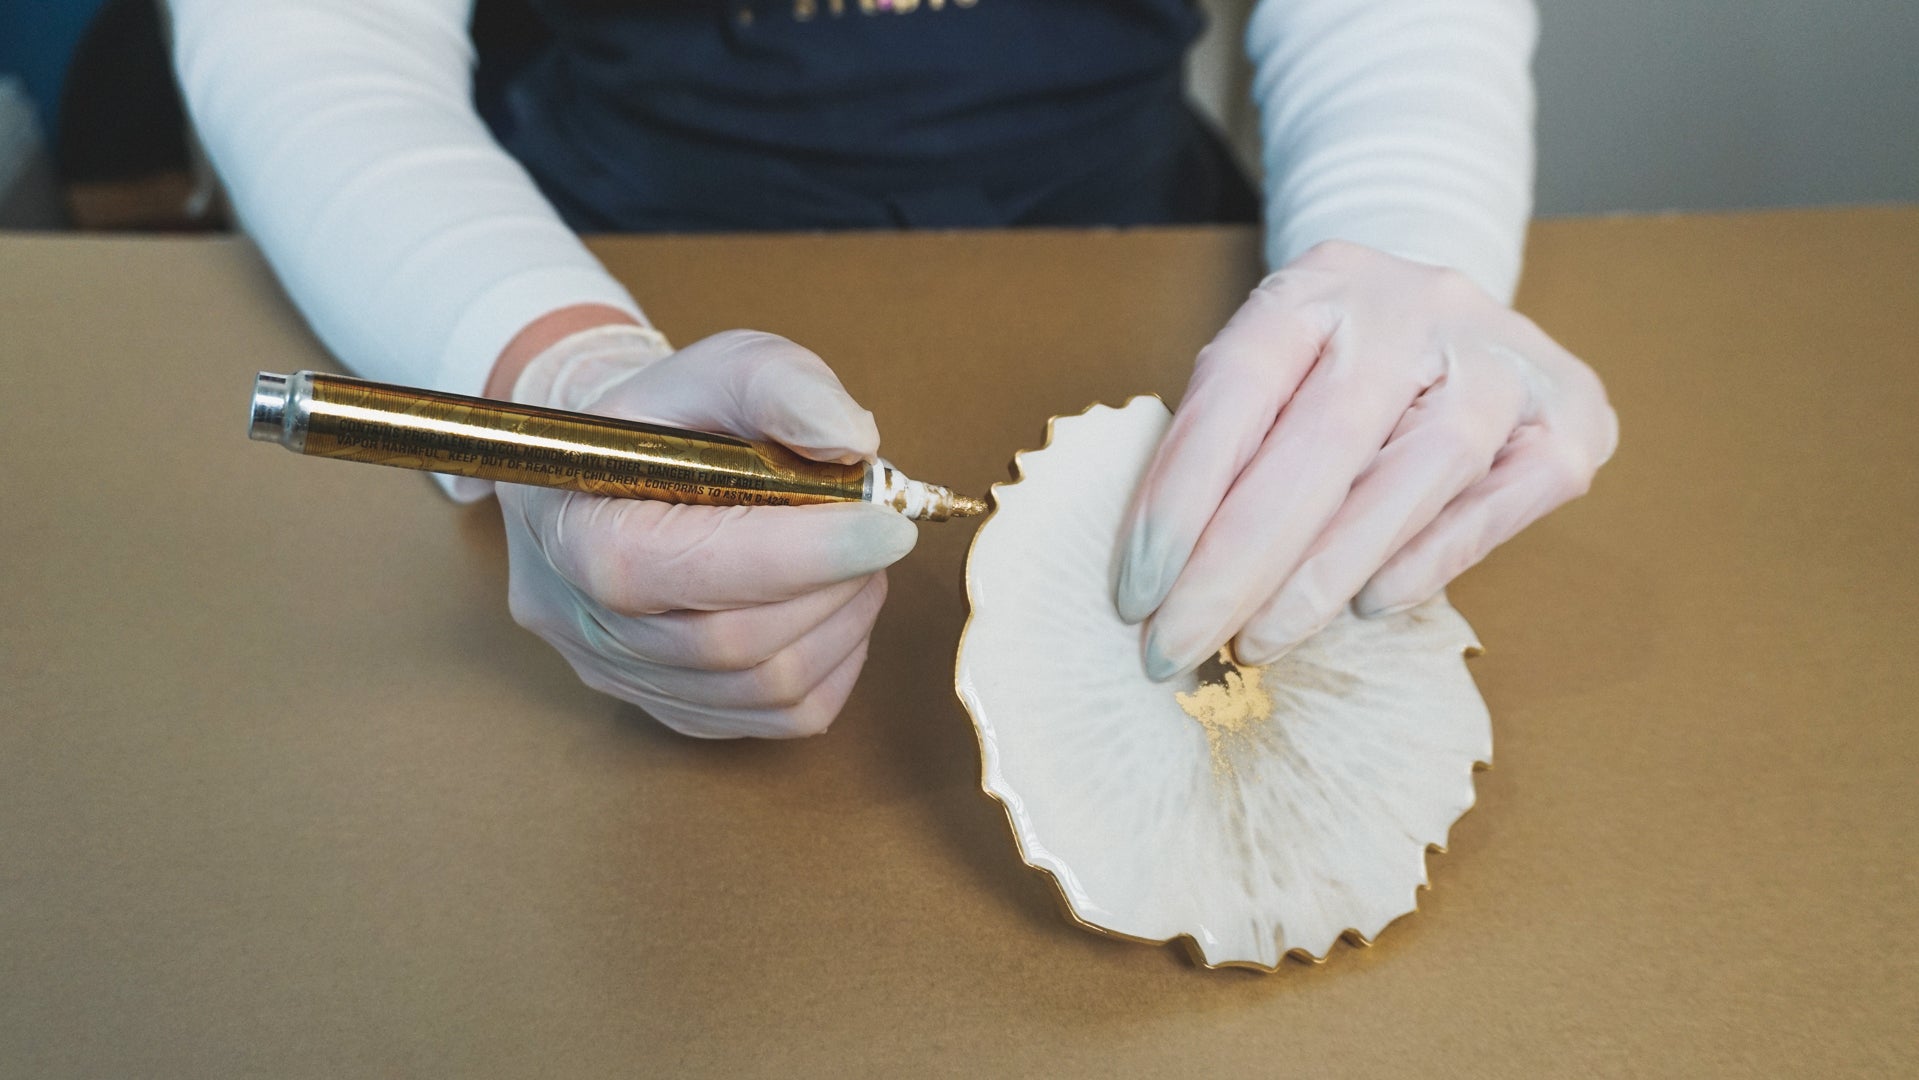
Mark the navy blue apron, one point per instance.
(698, 115)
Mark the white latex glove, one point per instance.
(1363, 429)
(718, 621)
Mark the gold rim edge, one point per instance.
(1189, 944)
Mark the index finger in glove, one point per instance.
(1241, 380)
(754, 385)
(1295, 485)
(638, 557)
(1445, 443)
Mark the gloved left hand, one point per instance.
(1362, 430)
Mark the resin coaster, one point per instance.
(1249, 812)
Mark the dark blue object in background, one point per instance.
(746, 115)
(37, 39)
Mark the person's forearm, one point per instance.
(344, 129)
(1403, 125)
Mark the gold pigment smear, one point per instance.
(1228, 708)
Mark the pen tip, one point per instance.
(925, 502)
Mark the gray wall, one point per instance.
(1696, 104)
(1692, 104)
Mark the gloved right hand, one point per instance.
(720, 622)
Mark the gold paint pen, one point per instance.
(338, 417)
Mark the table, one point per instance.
(284, 792)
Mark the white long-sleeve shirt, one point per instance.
(417, 248)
